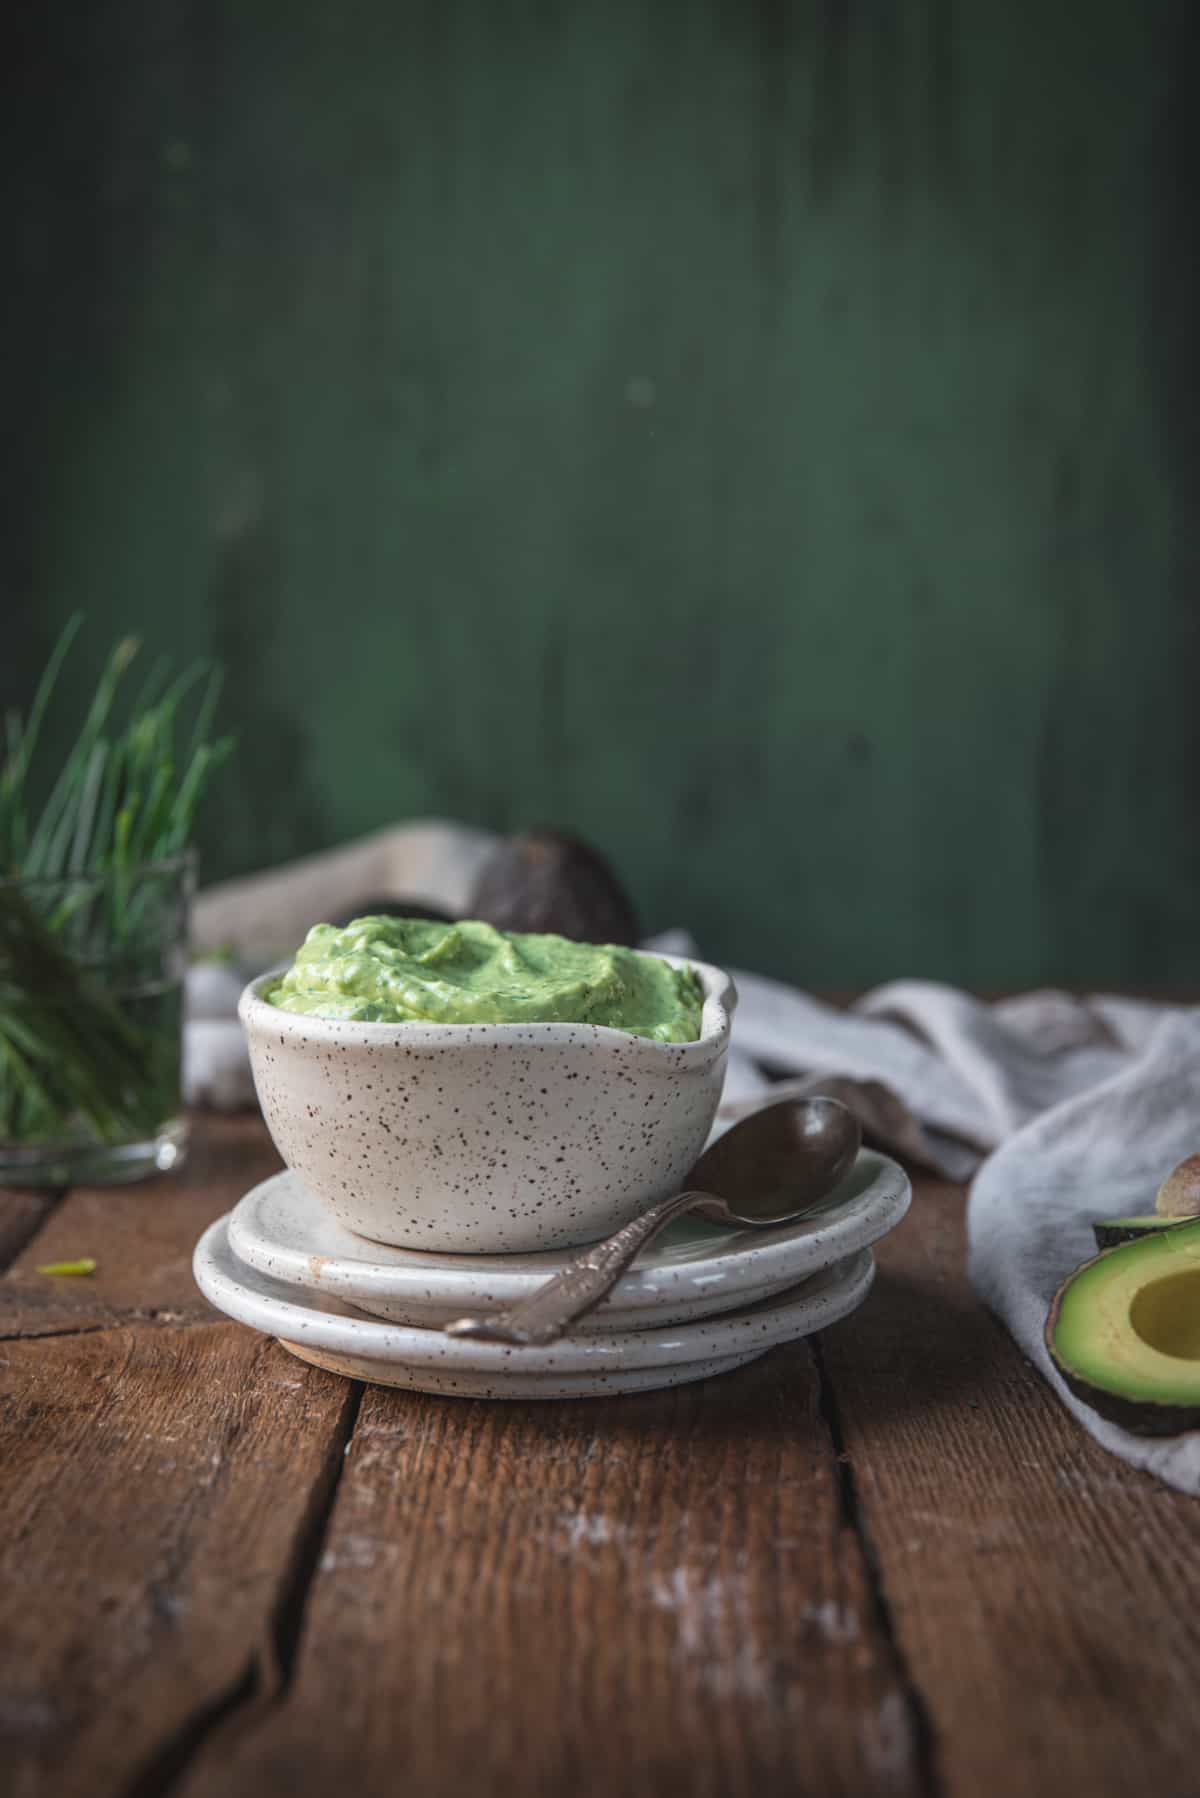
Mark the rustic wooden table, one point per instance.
(884, 1561)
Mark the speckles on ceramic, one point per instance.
(486, 1138)
(323, 1330)
(695, 1269)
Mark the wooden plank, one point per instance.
(159, 1491)
(141, 1237)
(1044, 1595)
(643, 1596)
(901, 1569)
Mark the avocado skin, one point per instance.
(1111, 1233)
(545, 881)
(1139, 1419)
(386, 908)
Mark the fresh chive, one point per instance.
(69, 1053)
(45, 688)
(85, 812)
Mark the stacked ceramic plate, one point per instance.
(700, 1300)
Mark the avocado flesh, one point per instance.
(1124, 1332)
(1111, 1231)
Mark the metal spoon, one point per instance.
(774, 1166)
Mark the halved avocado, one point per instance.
(1112, 1231)
(1124, 1332)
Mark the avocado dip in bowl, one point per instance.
(457, 1088)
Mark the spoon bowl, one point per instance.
(780, 1161)
(774, 1166)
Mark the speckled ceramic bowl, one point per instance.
(485, 1138)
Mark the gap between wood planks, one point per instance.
(718, 1618)
(266, 1684)
(1028, 1576)
(924, 1736)
(263, 1684)
(267, 1679)
(46, 1310)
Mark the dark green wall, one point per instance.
(760, 436)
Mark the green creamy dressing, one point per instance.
(408, 970)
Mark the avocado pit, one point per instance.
(1179, 1194)
(1177, 1201)
(1166, 1315)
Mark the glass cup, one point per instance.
(91, 1024)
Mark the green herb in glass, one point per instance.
(94, 888)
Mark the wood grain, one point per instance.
(158, 1489)
(889, 1565)
(141, 1238)
(1043, 1594)
(644, 1596)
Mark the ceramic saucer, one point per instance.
(695, 1269)
(330, 1334)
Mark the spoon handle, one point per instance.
(573, 1291)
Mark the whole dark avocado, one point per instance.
(546, 881)
(1124, 1332)
(386, 908)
